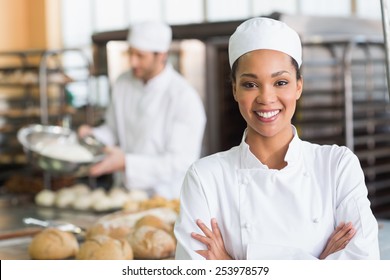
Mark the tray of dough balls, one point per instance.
(81, 197)
(143, 229)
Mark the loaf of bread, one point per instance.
(103, 247)
(160, 202)
(53, 244)
(153, 221)
(129, 218)
(151, 243)
(119, 232)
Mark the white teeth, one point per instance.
(267, 115)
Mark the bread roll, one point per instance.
(53, 244)
(103, 247)
(152, 243)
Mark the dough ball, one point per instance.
(64, 198)
(152, 243)
(80, 189)
(82, 202)
(117, 201)
(98, 193)
(45, 198)
(117, 191)
(101, 203)
(103, 247)
(137, 195)
(53, 244)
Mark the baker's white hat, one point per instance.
(150, 36)
(264, 33)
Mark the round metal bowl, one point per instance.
(34, 138)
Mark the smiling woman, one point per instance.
(274, 196)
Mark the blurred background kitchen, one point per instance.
(59, 58)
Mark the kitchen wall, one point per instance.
(26, 24)
(102, 15)
(29, 24)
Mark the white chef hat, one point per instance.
(264, 33)
(150, 36)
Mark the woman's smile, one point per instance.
(267, 116)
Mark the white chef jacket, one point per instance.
(278, 214)
(160, 127)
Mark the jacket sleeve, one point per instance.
(353, 206)
(192, 201)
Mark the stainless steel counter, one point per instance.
(12, 212)
(11, 216)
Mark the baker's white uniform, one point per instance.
(160, 127)
(278, 214)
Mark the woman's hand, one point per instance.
(338, 239)
(114, 161)
(213, 240)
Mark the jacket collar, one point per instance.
(293, 156)
(161, 81)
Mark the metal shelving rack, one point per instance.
(34, 88)
(345, 102)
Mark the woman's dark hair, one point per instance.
(235, 65)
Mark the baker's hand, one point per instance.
(213, 240)
(114, 161)
(339, 239)
(84, 130)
